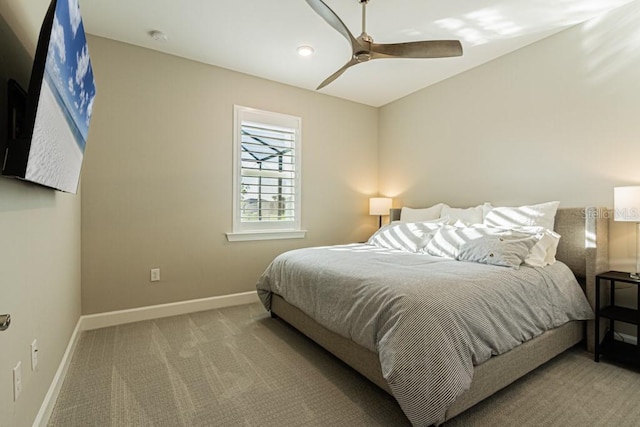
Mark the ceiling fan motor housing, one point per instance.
(363, 56)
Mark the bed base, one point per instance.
(489, 377)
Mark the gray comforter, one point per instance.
(429, 319)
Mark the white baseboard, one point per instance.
(618, 336)
(113, 318)
(46, 409)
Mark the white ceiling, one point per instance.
(260, 37)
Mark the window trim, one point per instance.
(266, 235)
(267, 230)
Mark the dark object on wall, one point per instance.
(47, 146)
(16, 111)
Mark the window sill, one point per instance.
(266, 235)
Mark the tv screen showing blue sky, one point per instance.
(65, 104)
(68, 65)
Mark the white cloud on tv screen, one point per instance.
(57, 39)
(74, 15)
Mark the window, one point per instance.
(266, 180)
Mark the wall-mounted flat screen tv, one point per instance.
(59, 104)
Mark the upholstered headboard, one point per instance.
(584, 247)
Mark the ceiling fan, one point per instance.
(364, 49)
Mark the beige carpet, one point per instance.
(238, 367)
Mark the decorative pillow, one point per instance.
(405, 236)
(541, 215)
(468, 216)
(495, 250)
(417, 215)
(544, 251)
(448, 241)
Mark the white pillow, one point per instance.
(417, 215)
(468, 216)
(405, 236)
(486, 208)
(544, 252)
(541, 215)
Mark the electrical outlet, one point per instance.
(34, 355)
(17, 381)
(155, 274)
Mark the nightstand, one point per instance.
(623, 352)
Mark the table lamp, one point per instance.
(379, 206)
(626, 203)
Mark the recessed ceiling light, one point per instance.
(158, 36)
(305, 50)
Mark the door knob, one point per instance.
(5, 321)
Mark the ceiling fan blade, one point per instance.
(422, 49)
(332, 19)
(338, 73)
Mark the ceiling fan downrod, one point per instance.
(364, 36)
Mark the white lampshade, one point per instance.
(626, 204)
(379, 205)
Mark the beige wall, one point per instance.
(39, 256)
(156, 184)
(557, 120)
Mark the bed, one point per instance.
(583, 248)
